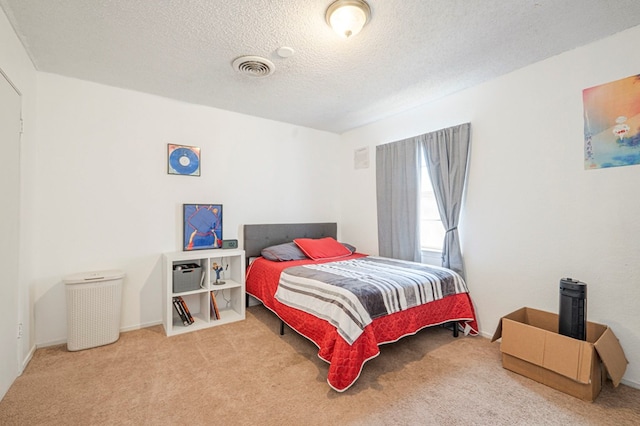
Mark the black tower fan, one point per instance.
(572, 320)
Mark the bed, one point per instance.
(346, 345)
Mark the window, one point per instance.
(431, 228)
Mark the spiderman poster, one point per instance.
(202, 226)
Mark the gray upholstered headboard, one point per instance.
(257, 237)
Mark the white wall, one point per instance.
(533, 214)
(105, 200)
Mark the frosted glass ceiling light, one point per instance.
(348, 17)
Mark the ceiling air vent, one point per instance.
(253, 66)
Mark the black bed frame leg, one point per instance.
(281, 328)
(455, 329)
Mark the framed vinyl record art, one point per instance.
(202, 226)
(183, 160)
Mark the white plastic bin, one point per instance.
(94, 301)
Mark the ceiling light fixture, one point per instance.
(348, 17)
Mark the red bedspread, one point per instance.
(346, 361)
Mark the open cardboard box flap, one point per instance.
(533, 337)
(612, 355)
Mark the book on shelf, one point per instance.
(214, 306)
(186, 309)
(182, 310)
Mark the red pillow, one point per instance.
(322, 248)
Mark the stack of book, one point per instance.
(182, 310)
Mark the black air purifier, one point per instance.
(572, 320)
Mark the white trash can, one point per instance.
(94, 301)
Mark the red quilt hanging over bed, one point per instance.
(346, 361)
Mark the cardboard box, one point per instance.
(532, 347)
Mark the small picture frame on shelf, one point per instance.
(202, 226)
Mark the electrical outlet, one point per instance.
(20, 331)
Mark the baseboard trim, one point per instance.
(51, 343)
(486, 335)
(139, 326)
(630, 383)
(27, 359)
(122, 330)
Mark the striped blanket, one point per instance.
(350, 293)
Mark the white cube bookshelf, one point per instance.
(230, 295)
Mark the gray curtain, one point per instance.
(398, 197)
(446, 152)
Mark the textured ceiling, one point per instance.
(412, 51)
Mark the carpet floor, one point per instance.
(245, 373)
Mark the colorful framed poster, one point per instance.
(183, 160)
(612, 124)
(202, 226)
